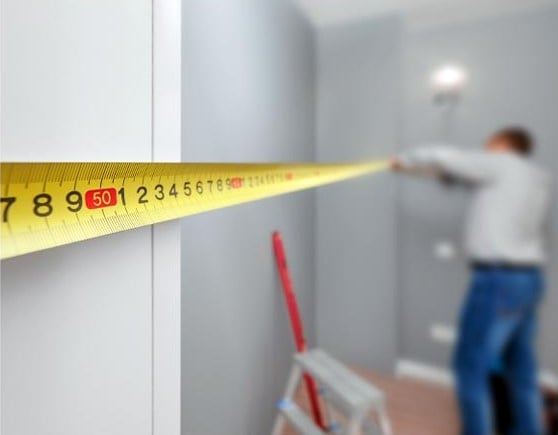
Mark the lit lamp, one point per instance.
(448, 82)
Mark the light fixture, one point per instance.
(448, 82)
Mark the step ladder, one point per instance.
(349, 399)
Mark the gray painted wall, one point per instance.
(357, 103)
(248, 95)
(513, 65)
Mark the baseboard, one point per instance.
(405, 368)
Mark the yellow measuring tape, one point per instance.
(52, 204)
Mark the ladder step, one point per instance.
(366, 388)
(299, 420)
(344, 387)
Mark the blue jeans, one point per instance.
(498, 323)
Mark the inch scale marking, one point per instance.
(44, 205)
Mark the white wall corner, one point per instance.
(166, 236)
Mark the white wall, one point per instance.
(78, 322)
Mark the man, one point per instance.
(506, 245)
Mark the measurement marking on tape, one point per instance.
(44, 205)
(97, 198)
(236, 183)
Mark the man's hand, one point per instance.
(396, 164)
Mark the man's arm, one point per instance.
(471, 166)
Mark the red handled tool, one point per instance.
(296, 324)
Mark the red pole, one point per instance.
(296, 324)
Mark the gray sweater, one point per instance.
(509, 212)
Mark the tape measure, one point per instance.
(45, 205)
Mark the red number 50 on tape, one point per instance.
(99, 198)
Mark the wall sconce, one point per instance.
(448, 82)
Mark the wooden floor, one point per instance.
(415, 408)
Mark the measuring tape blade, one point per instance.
(45, 205)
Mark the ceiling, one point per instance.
(419, 12)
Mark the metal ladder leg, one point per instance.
(379, 425)
(333, 425)
(384, 421)
(354, 426)
(292, 384)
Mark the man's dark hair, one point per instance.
(519, 138)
